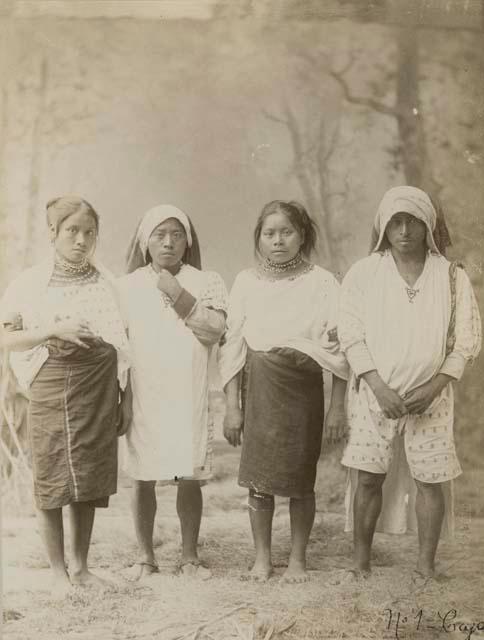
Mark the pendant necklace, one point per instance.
(411, 293)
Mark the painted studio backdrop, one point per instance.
(220, 106)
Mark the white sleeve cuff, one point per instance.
(454, 365)
(359, 358)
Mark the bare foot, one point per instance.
(351, 575)
(88, 579)
(295, 572)
(61, 586)
(260, 572)
(422, 577)
(194, 569)
(425, 571)
(140, 570)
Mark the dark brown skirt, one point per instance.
(283, 422)
(72, 427)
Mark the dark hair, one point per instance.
(299, 218)
(59, 209)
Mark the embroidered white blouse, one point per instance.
(293, 312)
(38, 305)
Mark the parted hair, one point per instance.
(299, 218)
(59, 209)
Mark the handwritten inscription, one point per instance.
(448, 621)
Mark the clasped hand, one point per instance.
(415, 401)
(168, 284)
(73, 330)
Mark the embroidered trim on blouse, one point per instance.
(62, 277)
(263, 275)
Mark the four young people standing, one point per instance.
(64, 323)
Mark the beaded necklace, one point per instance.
(73, 267)
(281, 267)
(66, 274)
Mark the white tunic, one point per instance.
(405, 341)
(292, 312)
(169, 374)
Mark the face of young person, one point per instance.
(167, 244)
(76, 237)
(406, 233)
(279, 241)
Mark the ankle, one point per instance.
(59, 571)
(77, 568)
(189, 555)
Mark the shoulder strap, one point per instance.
(450, 342)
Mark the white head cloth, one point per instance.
(406, 200)
(155, 217)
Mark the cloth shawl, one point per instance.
(138, 248)
(405, 200)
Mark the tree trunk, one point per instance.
(416, 163)
(35, 164)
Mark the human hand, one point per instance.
(124, 416)
(73, 330)
(336, 425)
(390, 402)
(13, 322)
(418, 400)
(233, 421)
(167, 283)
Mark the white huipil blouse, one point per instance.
(169, 434)
(295, 312)
(39, 305)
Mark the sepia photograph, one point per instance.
(241, 301)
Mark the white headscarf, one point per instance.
(154, 217)
(406, 200)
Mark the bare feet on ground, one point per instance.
(60, 587)
(260, 572)
(351, 575)
(140, 570)
(88, 579)
(295, 572)
(193, 567)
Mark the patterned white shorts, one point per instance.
(429, 438)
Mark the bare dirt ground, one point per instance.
(167, 607)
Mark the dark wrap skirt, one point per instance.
(283, 403)
(72, 426)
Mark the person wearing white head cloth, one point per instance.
(174, 313)
(408, 324)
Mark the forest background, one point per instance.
(219, 106)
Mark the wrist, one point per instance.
(183, 303)
(50, 332)
(440, 382)
(373, 380)
(338, 406)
